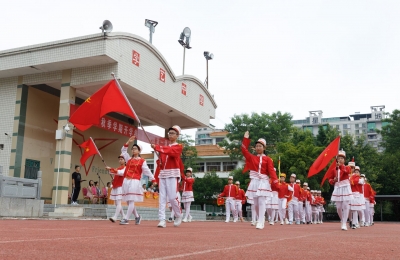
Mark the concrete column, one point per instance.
(64, 146)
(18, 134)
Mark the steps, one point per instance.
(71, 212)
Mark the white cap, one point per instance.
(262, 141)
(308, 188)
(352, 164)
(305, 183)
(362, 175)
(189, 169)
(318, 191)
(293, 175)
(297, 180)
(230, 178)
(357, 168)
(176, 128)
(342, 153)
(237, 182)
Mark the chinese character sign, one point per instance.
(183, 89)
(201, 100)
(162, 75)
(135, 58)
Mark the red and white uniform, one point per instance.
(367, 197)
(284, 192)
(261, 170)
(167, 175)
(342, 190)
(358, 200)
(239, 201)
(187, 189)
(117, 192)
(230, 193)
(293, 204)
(135, 168)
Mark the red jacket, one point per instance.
(170, 161)
(367, 190)
(354, 179)
(296, 190)
(118, 179)
(188, 184)
(283, 191)
(344, 174)
(253, 162)
(230, 191)
(241, 196)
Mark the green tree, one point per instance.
(206, 189)
(189, 153)
(391, 132)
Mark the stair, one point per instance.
(72, 212)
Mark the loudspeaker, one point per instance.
(106, 27)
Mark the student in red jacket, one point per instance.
(356, 203)
(117, 192)
(261, 171)
(342, 194)
(239, 201)
(230, 193)
(187, 193)
(284, 192)
(168, 173)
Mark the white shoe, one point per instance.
(162, 224)
(112, 219)
(344, 226)
(227, 221)
(282, 222)
(286, 221)
(185, 220)
(190, 219)
(259, 225)
(178, 221)
(367, 224)
(271, 223)
(253, 223)
(235, 220)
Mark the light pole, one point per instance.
(151, 25)
(185, 34)
(208, 56)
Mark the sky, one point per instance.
(293, 56)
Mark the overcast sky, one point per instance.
(336, 56)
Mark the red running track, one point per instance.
(101, 239)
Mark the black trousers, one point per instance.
(75, 193)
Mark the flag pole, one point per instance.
(98, 152)
(137, 118)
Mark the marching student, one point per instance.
(284, 191)
(356, 203)
(301, 204)
(230, 193)
(117, 193)
(168, 173)
(314, 209)
(342, 194)
(187, 193)
(131, 186)
(308, 205)
(177, 198)
(293, 204)
(367, 195)
(261, 171)
(320, 206)
(240, 200)
(273, 214)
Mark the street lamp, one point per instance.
(151, 25)
(208, 56)
(185, 35)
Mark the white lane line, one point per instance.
(234, 247)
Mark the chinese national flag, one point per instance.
(324, 158)
(333, 165)
(110, 98)
(89, 149)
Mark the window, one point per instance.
(31, 169)
(357, 126)
(218, 140)
(371, 127)
(345, 132)
(200, 167)
(201, 136)
(308, 128)
(204, 128)
(357, 132)
(364, 125)
(213, 166)
(228, 166)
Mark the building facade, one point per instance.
(356, 124)
(209, 136)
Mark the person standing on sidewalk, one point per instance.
(76, 185)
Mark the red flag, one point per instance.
(110, 98)
(89, 149)
(333, 165)
(323, 159)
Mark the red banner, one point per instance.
(183, 88)
(135, 58)
(162, 75)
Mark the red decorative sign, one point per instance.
(201, 101)
(162, 75)
(135, 58)
(183, 88)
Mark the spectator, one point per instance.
(90, 193)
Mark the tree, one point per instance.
(206, 189)
(274, 128)
(391, 132)
(189, 153)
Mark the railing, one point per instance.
(13, 187)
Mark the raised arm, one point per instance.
(124, 149)
(173, 151)
(245, 146)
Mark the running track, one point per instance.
(101, 239)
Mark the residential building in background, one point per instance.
(356, 124)
(210, 136)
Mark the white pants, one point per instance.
(302, 214)
(343, 208)
(367, 213)
(259, 203)
(282, 208)
(307, 210)
(229, 206)
(293, 209)
(167, 188)
(238, 209)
